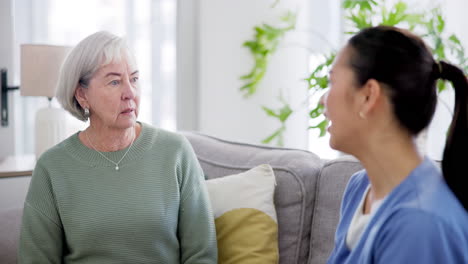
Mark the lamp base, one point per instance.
(51, 128)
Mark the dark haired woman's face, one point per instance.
(341, 106)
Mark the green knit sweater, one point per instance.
(154, 209)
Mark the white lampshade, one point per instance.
(40, 68)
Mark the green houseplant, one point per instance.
(360, 14)
(262, 47)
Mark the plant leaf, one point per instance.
(454, 39)
(440, 23)
(361, 4)
(317, 111)
(270, 112)
(322, 126)
(264, 44)
(441, 86)
(275, 134)
(284, 113)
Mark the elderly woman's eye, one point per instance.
(114, 82)
(134, 79)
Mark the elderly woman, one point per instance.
(120, 191)
(401, 208)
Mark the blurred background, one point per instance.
(191, 58)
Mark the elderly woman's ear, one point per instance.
(80, 95)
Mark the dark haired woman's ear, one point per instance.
(369, 97)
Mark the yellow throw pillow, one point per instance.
(245, 216)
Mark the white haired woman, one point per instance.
(120, 191)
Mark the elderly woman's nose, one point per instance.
(129, 90)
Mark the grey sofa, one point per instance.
(307, 195)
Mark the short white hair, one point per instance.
(83, 61)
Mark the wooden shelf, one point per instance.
(14, 166)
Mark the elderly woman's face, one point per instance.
(113, 95)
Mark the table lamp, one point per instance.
(40, 68)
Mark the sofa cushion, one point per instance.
(10, 222)
(296, 174)
(332, 183)
(245, 216)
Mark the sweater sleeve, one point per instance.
(196, 229)
(41, 236)
(413, 236)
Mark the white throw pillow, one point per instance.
(245, 216)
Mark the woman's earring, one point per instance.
(86, 112)
(361, 115)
